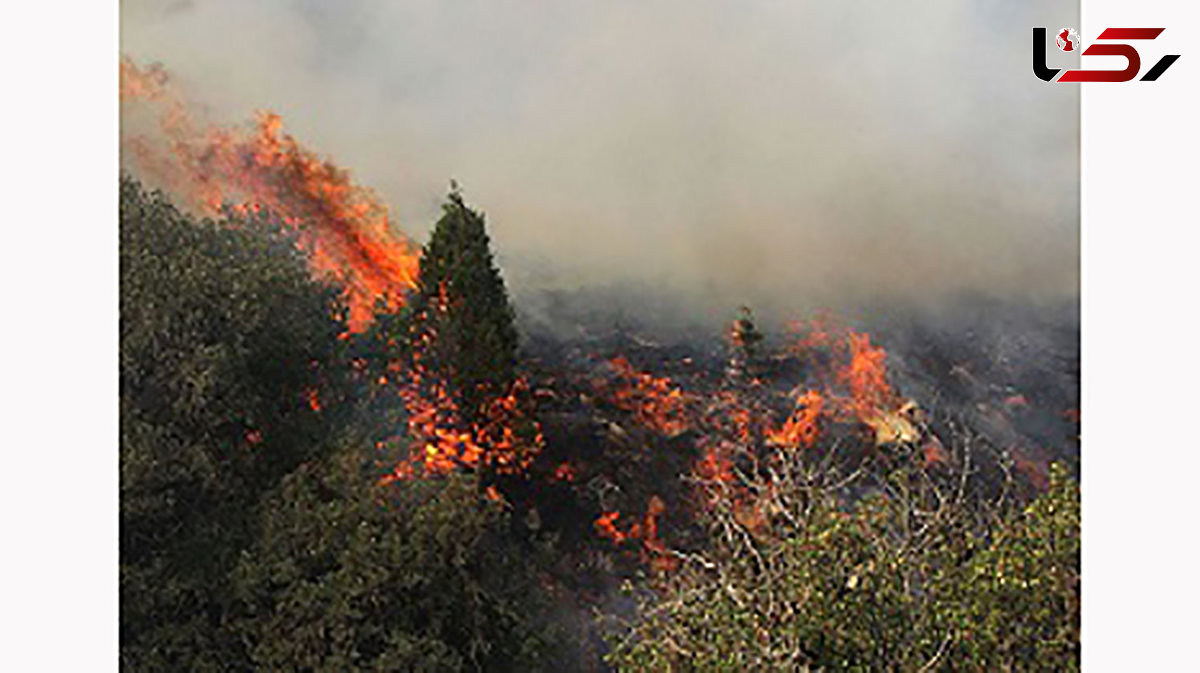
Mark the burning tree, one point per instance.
(822, 521)
(453, 355)
(464, 320)
(255, 530)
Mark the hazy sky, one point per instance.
(782, 153)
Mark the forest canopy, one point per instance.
(255, 530)
(431, 493)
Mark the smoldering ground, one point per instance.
(787, 155)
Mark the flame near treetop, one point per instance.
(344, 227)
(345, 230)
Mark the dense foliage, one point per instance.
(224, 341)
(914, 573)
(346, 574)
(254, 531)
(462, 304)
(263, 529)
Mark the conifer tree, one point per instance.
(465, 329)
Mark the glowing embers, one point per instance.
(656, 402)
(652, 550)
(505, 441)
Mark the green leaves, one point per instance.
(462, 302)
(225, 339)
(902, 579)
(254, 532)
(414, 575)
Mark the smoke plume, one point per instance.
(787, 155)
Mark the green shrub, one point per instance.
(908, 573)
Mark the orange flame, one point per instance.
(866, 375)
(605, 525)
(801, 427)
(653, 550)
(507, 439)
(862, 372)
(343, 226)
(655, 401)
(849, 383)
(313, 398)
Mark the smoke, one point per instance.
(784, 154)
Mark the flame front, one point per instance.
(848, 384)
(348, 238)
(343, 226)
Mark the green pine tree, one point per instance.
(465, 323)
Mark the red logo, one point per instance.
(1068, 40)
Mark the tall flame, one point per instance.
(866, 375)
(344, 226)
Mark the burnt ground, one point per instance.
(995, 379)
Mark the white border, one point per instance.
(1141, 454)
(1141, 463)
(58, 479)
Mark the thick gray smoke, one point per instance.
(786, 153)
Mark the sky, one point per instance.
(783, 154)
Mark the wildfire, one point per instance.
(345, 230)
(851, 384)
(506, 439)
(348, 238)
(440, 445)
(801, 428)
(866, 375)
(343, 226)
(655, 401)
(739, 425)
(854, 373)
(653, 550)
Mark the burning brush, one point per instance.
(344, 227)
(732, 424)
